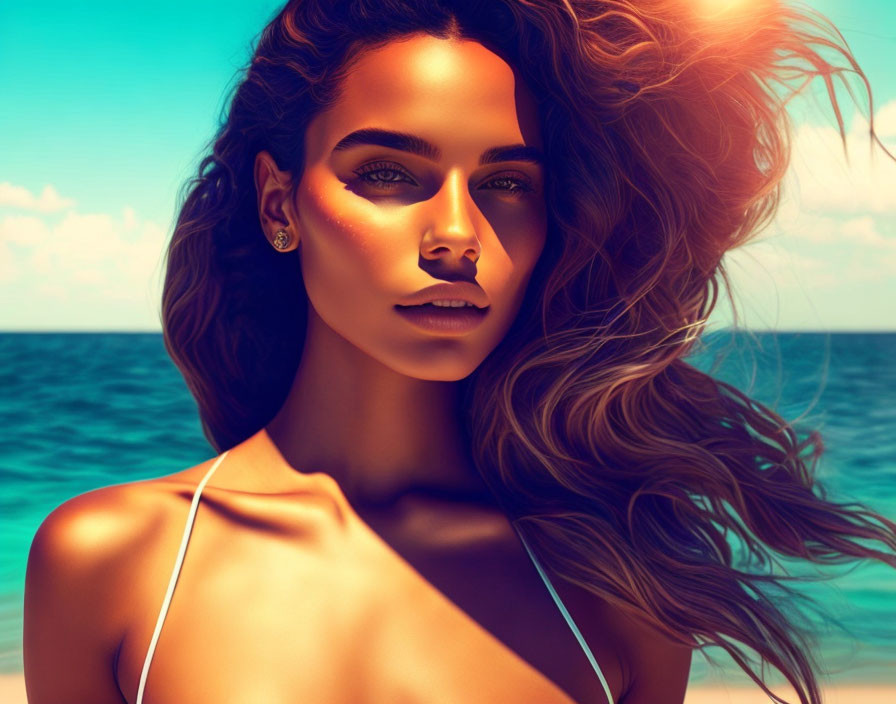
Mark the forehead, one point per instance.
(456, 93)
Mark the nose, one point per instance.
(450, 232)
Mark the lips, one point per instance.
(443, 319)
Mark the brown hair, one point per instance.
(626, 467)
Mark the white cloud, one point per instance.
(823, 178)
(24, 230)
(49, 200)
(875, 232)
(829, 259)
(80, 271)
(864, 230)
(7, 269)
(769, 262)
(885, 121)
(816, 272)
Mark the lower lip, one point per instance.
(443, 319)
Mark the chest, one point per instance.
(348, 617)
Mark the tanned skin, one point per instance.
(349, 551)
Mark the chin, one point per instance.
(440, 370)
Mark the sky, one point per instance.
(108, 106)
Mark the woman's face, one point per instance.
(378, 222)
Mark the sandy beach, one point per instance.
(12, 691)
(842, 694)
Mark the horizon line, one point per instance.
(49, 331)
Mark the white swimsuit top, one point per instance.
(183, 549)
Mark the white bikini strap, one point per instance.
(174, 575)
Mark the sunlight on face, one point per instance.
(378, 222)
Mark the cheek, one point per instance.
(522, 233)
(526, 248)
(520, 228)
(340, 237)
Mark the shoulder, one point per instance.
(113, 530)
(95, 529)
(87, 542)
(82, 565)
(91, 526)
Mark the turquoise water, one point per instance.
(84, 410)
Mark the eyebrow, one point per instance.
(405, 142)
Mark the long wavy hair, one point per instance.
(626, 467)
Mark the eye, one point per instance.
(387, 175)
(384, 175)
(511, 183)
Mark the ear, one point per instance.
(275, 208)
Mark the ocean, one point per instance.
(84, 410)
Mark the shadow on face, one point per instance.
(427, 170)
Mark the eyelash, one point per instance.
(523, 185)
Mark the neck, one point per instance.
(380, 434)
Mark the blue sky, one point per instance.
(107, 106)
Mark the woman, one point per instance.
(432, 290)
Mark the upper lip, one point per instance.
(460, 291)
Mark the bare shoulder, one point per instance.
(83, 558)
(92, 526)
(98, 527)
(90, 539)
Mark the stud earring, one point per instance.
(281, 239)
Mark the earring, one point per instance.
(281, 239)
